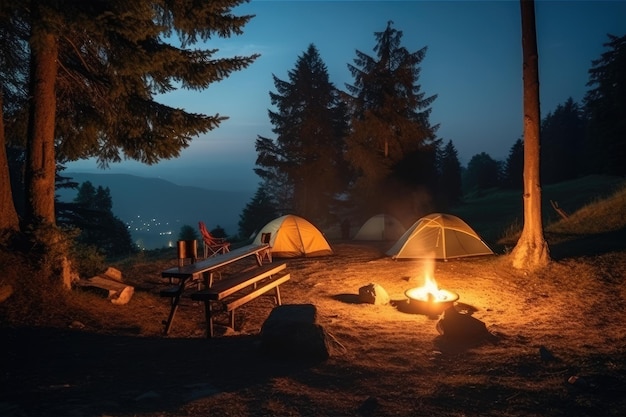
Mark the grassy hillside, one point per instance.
(500, 212)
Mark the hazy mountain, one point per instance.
(156, 209)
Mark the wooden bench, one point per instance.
(234, 291)
(198, 273)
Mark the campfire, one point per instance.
(429, 299)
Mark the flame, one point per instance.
(429, 291)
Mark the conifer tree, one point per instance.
(514, 166)
(390, 115)
(257, 213)
(450, 183)
(605, 106)
(95, 69)
(13, 68)
(99, 227)
(482, 172)
(310, 123)
(562, 136)
(531, 251)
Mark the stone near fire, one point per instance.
(291, 331)
(373, 294)
(461, 327)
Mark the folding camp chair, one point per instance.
(212, 245)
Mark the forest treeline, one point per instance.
(79, 80)
(368, 149)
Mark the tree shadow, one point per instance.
(574, 246)
(77, 373)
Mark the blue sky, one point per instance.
(473, 64)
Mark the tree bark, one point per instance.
(40, 157)
(531, 251)
(8, 214)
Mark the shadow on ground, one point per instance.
(574, 246)
(56, 372)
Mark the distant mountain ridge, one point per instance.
(156, 209)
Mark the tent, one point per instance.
(293, 236)
(380, 227)
(439, 236)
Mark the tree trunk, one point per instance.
(531, 251)
(40, 157)
(8, 215)
(40, 169)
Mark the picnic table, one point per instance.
(202, 273)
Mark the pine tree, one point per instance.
(514, 167)
(94, 70)
(562, 136)
(13, 69)
(483, 172)
(310, 123)
(257, 213)
(98, 226)
(112, 60)
(450, 183)
(390, 116)
(531, 251)
(605, 106)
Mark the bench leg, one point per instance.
(232, 319)
(278, 302)
(208, 318)
(170, 317)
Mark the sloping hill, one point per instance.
(499, 212)
(156, 209)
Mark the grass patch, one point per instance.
(497, 215)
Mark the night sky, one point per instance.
(473, 64)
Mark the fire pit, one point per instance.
(429, 299)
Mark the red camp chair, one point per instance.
(212, 245)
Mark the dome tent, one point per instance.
(380, 227)
(293, 236)
(439, 236)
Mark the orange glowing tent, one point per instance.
(292, 236)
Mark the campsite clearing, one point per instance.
(394, 363)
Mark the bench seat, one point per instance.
(234, 291)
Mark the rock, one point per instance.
(373, 294)
(5, 292)
(292, 331)
(113, 289)
(462, 327)
(546, 355)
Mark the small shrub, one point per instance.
(88, 260)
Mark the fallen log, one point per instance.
(112, 289)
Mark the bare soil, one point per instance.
(557, 346)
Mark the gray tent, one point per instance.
(439, 236)
(380, 227)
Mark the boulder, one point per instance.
(462, 327)
(292, 331)
(373, 294)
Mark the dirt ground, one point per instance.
(557, 346)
